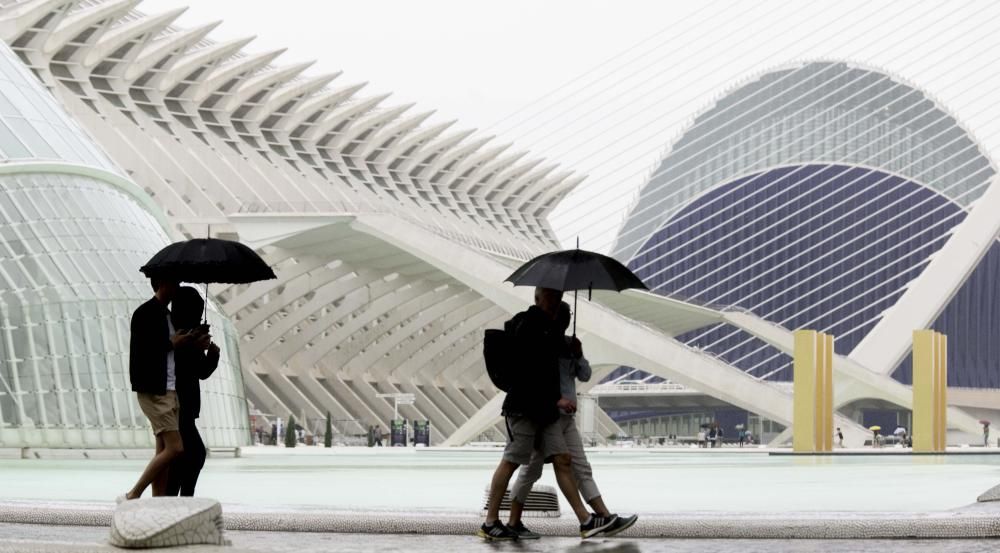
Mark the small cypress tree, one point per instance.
(328, 437)
(290, 438)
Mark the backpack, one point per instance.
(498, 349)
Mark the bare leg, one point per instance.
(563, 465)
(599, 507)
(501, 477)
(172, 447)
(516, 508)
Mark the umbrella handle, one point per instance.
(575, 294)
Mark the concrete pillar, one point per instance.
(812, 405)
(930, 390)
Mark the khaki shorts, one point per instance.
(160, 410)
(523, 438)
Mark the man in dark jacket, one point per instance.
(530, 409)
(153, 375)
(195, 361)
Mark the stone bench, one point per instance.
(167, 521)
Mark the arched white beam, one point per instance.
(391, 133)
(535, 186)
(552, 186)
(315, 109)
(17, 19)
(326, 130)
(414, 140)
(370, 123)
(127, 31)
(430, 152)
(240, 300)
(223, 74)
(485, 175)
(470, 162)
(421, 355)
(508, 180)
(73, 24)
(202, 57)
(265, 339)
(545, 207)
(424, 312)
(270, 79)
(340, 327)
(299, 92)
(373, 305)
(885, 346)
(293, 291)
(159, 49)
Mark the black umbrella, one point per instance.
(576, 270)
(206, 260)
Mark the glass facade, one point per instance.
(71, 244)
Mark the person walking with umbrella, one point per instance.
(572, 366)
(195, 361)
(154, 341)
(986, 432)
(530, 410)
(152, 371)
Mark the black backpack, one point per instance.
(498, 352)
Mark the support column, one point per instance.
(930, 390)
(813, 392)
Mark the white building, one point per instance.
(73, 231)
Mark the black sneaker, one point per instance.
(497, 531)
(523, 533)
(621, 524)
(596, 525)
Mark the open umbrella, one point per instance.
(899, 430)
(205, 260)
(874, 428)
(576, 270)
(984, 422)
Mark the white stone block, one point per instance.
(167, 521)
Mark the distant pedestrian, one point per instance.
(712, 433)
(718, 436)
(840, 437)
(274, 433)
(986, 435)
(742, 435)
(378, 435)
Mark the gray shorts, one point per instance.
(523, 437)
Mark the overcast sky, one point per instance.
(637, 72)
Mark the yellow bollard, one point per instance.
(812, 402)
(930, 391)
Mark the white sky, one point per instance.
(480, 62)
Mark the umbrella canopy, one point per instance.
(576, 270)
(873, 428)
(207, 260)
(984, 421)
(740, 427)
(899, 430)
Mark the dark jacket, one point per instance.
(534, 389)
(148, 347)
(192, 366)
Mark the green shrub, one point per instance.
(328, 437)
(290, 438)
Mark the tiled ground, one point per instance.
(70, 539)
